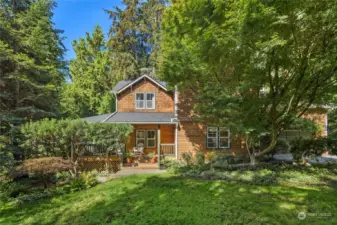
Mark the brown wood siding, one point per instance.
(166, 136)
(192, 138)
(164, 100)
(185, 105)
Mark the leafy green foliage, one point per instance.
(31, 61)
(199, 159)
(253, 66)
(92, 78)
(89, 178)
(134, 36)
(51, 137)
(6, 157)
(301, 148)
(77, 184)
(332, 123)
(9, 190)
(31, 70)
(187, 158)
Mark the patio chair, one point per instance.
(139, 150)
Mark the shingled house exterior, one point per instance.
(162, 121)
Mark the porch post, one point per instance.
(158, 145)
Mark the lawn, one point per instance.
(166, 199)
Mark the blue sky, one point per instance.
(76, 17)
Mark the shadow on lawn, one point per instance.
(174, 200)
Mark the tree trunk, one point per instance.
(45, 181)
(252, 160)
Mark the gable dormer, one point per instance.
(144, 94)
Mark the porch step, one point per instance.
(142, 166)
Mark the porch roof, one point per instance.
(140, 117)
(94, 119)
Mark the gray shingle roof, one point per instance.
(140, 117)
(120, 85)
(123, 83)
(94, 119)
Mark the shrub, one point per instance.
(77, 184)
(301, 148)
(90, 178)
(187, 158)
(10, 190)
(44, 167)
(223, 161)
(63, 176)
(199, 159)
(282, 146)
(32, 197)
(210, 156)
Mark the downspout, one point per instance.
(176, 118)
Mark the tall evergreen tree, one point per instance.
(89, 92)
(135, 35)
(31, 64)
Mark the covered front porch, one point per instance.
(150, 143)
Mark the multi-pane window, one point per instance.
(140, 101)
(140, 138)
(218, 137)
(146, 138)
(145, 101)
(150, 100)
(151, 139)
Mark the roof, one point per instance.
(94, 119)
(140, 117)
(123, 84)
(133, 117)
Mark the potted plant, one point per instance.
(154, 159)
(152, 156)
(129, 158)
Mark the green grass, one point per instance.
(165, 199)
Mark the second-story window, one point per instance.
(145, 101)
(140, 101)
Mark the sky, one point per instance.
(76, 17)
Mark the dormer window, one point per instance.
(145, 100)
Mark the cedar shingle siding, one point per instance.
(164, 100)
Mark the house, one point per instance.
(163, 124)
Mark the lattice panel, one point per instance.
(110, 164)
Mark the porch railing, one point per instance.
(167, 149)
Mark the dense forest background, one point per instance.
(37, 82)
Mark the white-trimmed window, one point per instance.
(151, 139)
(140, 137)
(140, 97)
(147, 138)
(150, 101)
(145, 100)
(218, 137)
